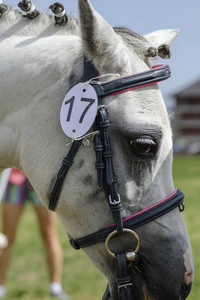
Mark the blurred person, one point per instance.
(16, 191)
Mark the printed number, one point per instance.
(91, 101)
(71, 102)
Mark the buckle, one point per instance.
(114, 202)
(124, 286)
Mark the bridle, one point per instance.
(107, 178)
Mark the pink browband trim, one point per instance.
(157, 66)
(148, 208)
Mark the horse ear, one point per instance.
(161, 40)
(102, 45)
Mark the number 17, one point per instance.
(71, 102)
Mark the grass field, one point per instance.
(186, 174)
(28, 276)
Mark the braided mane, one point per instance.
(12, 23)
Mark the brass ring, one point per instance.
(125, 230)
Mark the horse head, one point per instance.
(140, 139)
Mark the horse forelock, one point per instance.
(136, 42)
(129, 35)
(13, 23)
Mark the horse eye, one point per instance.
(144, 146)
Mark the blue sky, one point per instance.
(146, 16)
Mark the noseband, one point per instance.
(107, 178)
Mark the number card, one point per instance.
(78, 110)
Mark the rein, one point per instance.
(107, 178)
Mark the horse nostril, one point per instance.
(188, 278)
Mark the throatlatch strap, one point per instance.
(66, 164)
(90, 72)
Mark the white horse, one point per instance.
(39, 63)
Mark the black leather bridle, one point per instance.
(107, 178)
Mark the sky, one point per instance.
(146, 16)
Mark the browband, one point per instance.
(143, 217)
(156, 74)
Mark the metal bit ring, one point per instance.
(125, 230)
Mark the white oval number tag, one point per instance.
(78, 110)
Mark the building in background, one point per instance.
(186, 123)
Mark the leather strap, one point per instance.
(98, 148)
(133, 222)
(66, 164)
(154, 75)
(90, 72)
(123, 278)
(109, 177)
(89, 69)
(106, 294)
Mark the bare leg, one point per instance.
(11, 215)
(48, 226)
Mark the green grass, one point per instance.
(186, 174)
(28, 276)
